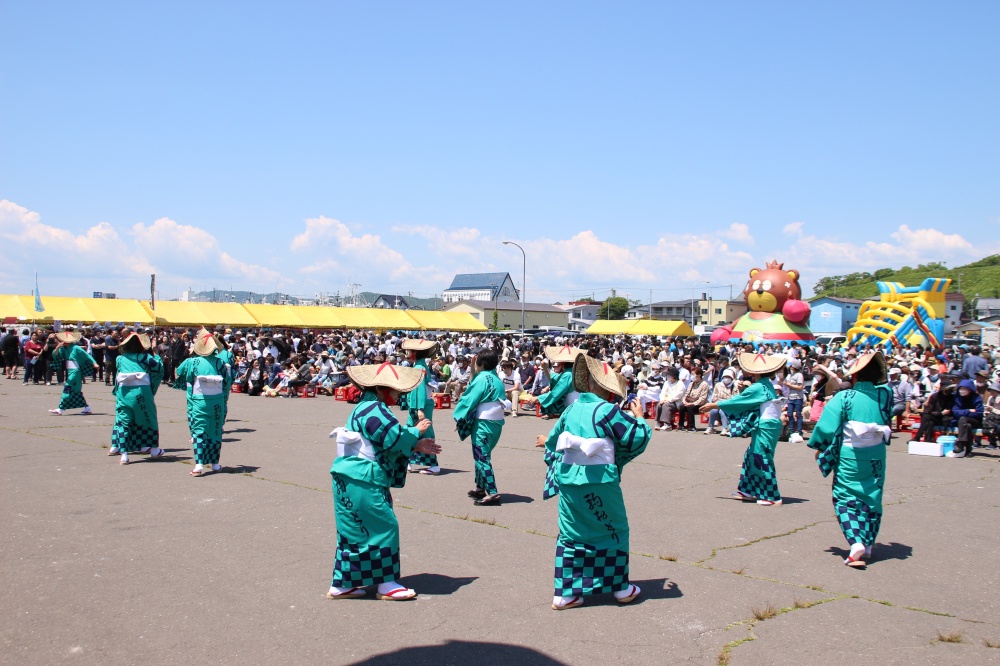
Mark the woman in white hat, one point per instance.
(77, 362)
(206, 378)
(560, 394)
(757, 412)
(372, 453)
(850, 440)
(586, 451)
(138, 376)
(420, 402)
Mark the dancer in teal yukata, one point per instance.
(204, 376)
(226, 356)
(585, 453)
(560, 393)
(479, 414)
(850, 439)
(77, 362)
(756, 411)
(372, 450)
(138, 374)
(420, 401)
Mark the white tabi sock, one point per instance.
(434, 469)
(144, 449)
(857, 549)
(340, 590)
(216, 467)
(559, 602)
(124, 457)
(389, 586)
(627, 592)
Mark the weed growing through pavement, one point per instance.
(765, 613)
(668, 558)
(739, 572)
(991, 644)
(951, 637)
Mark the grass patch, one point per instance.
(739, 572)
(724, 658)
(765, 613)
(801, 603)
(884, 603)
(818, 588)
(725, 654)
(668, 558)
(991, 644)
(484, 521)
(951, 637)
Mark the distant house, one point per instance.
(833, 314)
(987, 307)
(391, 302)
(954, 306)
(686, 310)
(581, 314)
(482, 287)
(508, 313)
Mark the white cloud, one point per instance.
(464, 242)
(739, 233)
(793, 228)
(364, 253)
(57, 252)
(191, 253)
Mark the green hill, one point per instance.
(980, 278)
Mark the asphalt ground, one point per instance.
(144, 564)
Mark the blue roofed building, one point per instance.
(482, 287)
(832, 314)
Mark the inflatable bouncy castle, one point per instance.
(777, 314)
(903, 315)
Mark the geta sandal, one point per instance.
(399, 594)
(490, 500)
(353, 593)
(572, 603)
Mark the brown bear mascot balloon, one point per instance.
(777, 315)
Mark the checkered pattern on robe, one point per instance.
(857, 521)
(582, 570)
(363, 565)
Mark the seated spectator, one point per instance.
(694, 398)
(967, 415)
(937, 410)
(671, 398)
(724, 390)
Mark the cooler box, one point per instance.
(939, 448)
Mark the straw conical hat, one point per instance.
(386, 375)
(585, 367)
(863, 361)
(67, 336)
(564, 354)
(759, 364)
(205, 343)
(141, 338)
(413, 344)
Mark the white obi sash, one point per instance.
(490, 411)
(72, 365)
(586, 450)
(132, 379)
(207, 385)
(571, 397)
(858, 435)
(350, 443)
(772, 409)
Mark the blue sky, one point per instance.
(631, 145)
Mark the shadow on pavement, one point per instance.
(657, 588)
(437, 584)
(882, 551)
(233, 431)
(463, 652)
(513, 498)
(239, 469)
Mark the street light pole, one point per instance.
(524, 277)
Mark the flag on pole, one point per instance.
(38, 296)
(152, 291)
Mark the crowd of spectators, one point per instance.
(672, 377)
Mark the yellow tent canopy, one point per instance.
(316, 316)
(12, 307)
(58, 308)
(437, 320)
(396, 319)
(178, 313)
(463, 321)
(640, 327)
(274, 315)
(656, 327)
(609, 326)
(125, 310)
